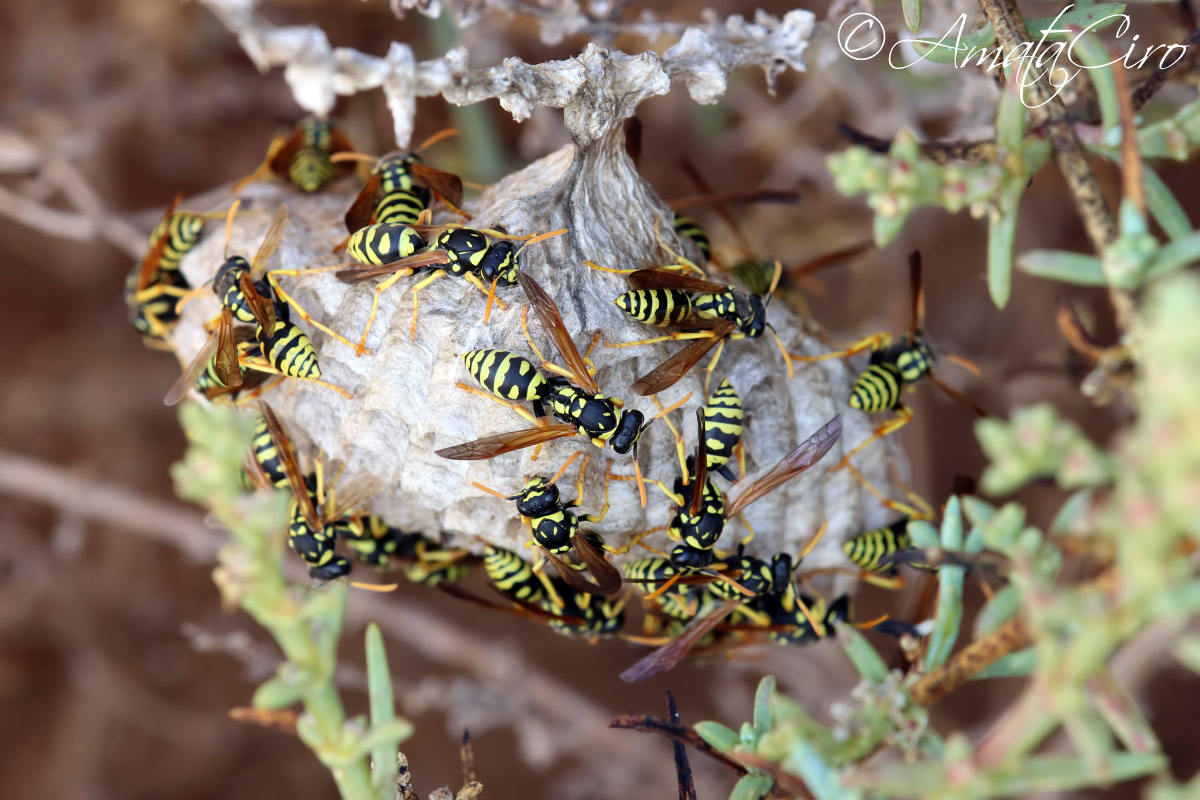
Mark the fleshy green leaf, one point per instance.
(277, 693)
(1058, 265)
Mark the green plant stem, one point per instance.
(1047, 111)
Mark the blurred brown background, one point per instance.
(108, 687)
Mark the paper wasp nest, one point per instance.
(405, 403)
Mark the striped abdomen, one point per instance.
(592, 615)
(878, 388)
(267, 456)
(686, 226)
(157, 300)
(310, 169)
(183, 231)
(383, 243)
(290, 351)
(659, 307)
(399, 207)
(722, 425)
(506, 375)
(867, 548)
(374, 542)
(512, 575)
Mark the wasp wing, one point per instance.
(660, 278)
(608, 577)
(918, 293)
(262, 308)
(282, 151)
(446, 185)
(500, 443)
(191, 373)
(291, 466)
(362, 211)
(671, 653)
(552, 321)
(956, 395)
(701, 464)
(356, 273)
(668, 373)
(270, 242)
(808, 453)
(338, 143)
(154, 255)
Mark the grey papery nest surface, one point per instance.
(405, 403)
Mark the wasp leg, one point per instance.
(262, 365)
(680, 447)
(528, 338)
(679, 259)
(379, 290)
(263, 170)
(517, 407)
(904, 414)
(539, 568)
(920, 509)
(300, 310)
(600, 515)
(416, 290)
(876, 341)
(671, 337)
(712, 364)
(598, 268)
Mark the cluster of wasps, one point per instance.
(701, 597)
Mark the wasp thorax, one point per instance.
(684, 557)
(537, 498)
(230, 273)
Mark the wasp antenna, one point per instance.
(346, 155)
(541, 237)
(967, 364)
(811, 543)
(444, 133)
(375, 587)
(564, 467)
(664, 411)
(492, 492)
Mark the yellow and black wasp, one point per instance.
(246, 297)
(303, 158)
(554, 527)
(895, 365)
(399, 250)
(777, 610)
(571, 393)
(155, 285)
(701, 509)
(317, 515)
(544, 599)
(376, 543)
(400, 188)
(705, 312)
